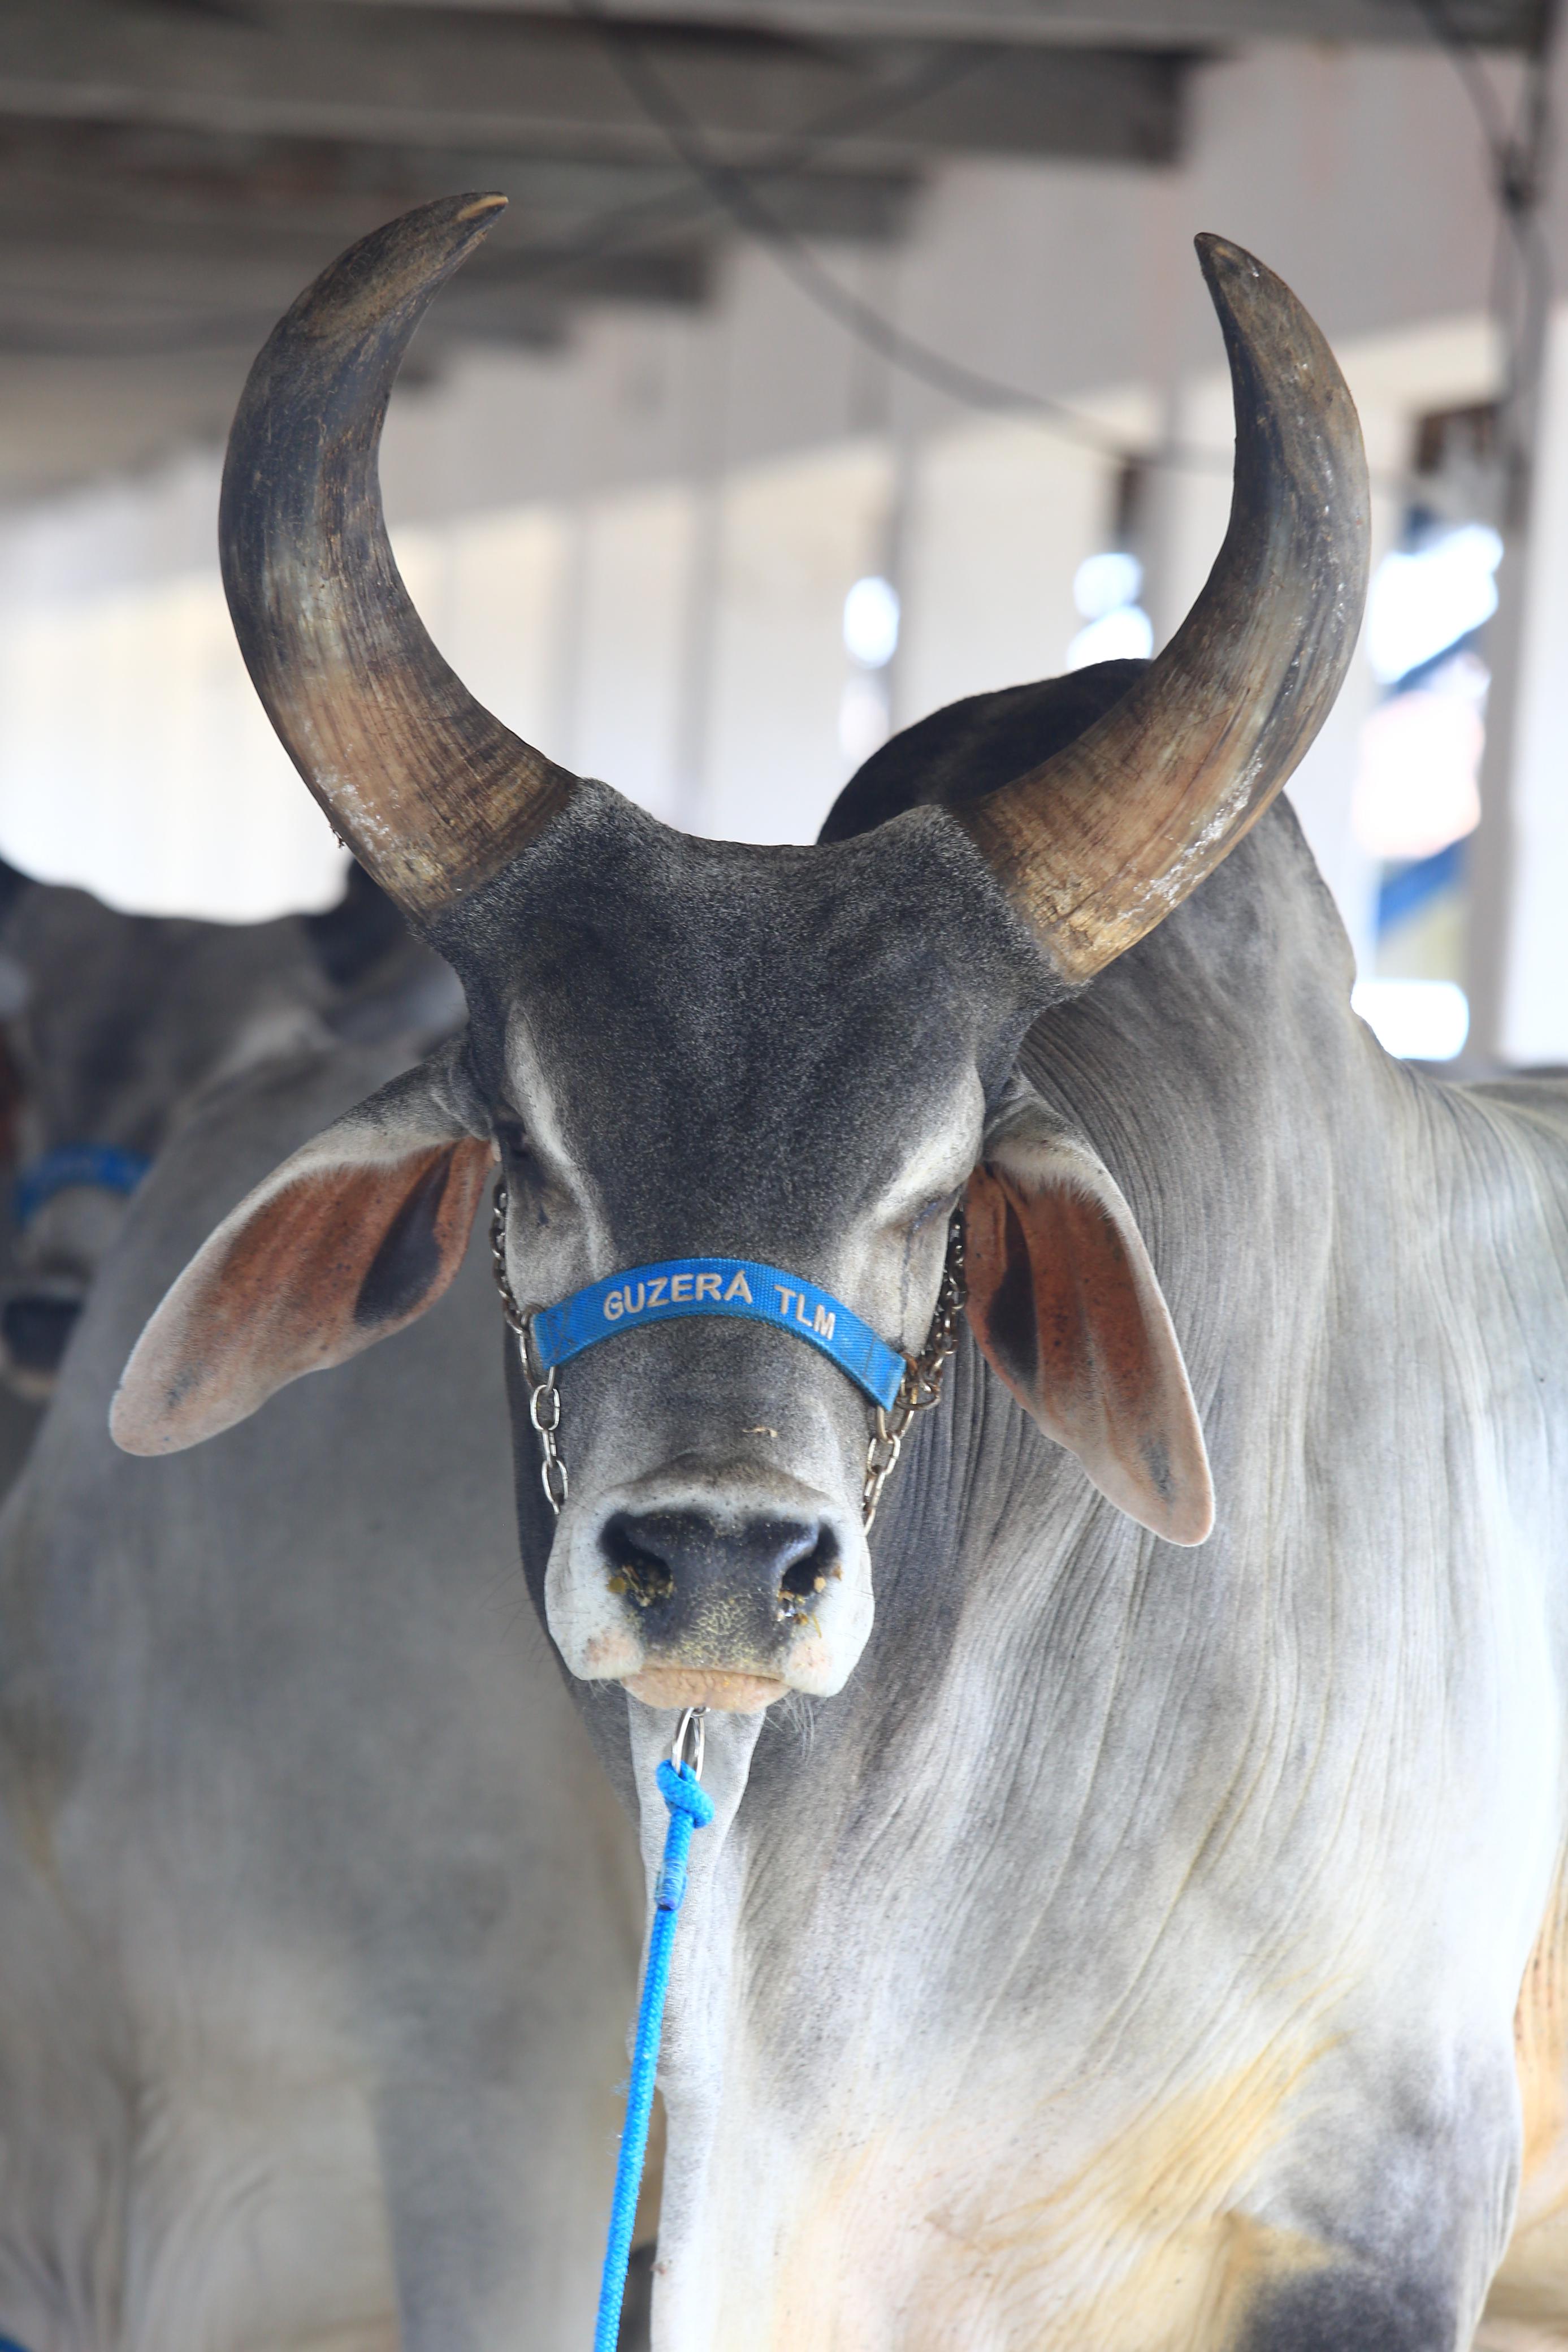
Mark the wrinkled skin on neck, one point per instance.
(1128, 1952)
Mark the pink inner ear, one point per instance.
(339, 1256)
(1069, 1315)
(1054, 1300)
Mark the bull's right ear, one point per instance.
(344, 1244)
(1066, 1309)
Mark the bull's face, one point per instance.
(685, 1049)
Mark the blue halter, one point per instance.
(106, 1166)
(720, 1285)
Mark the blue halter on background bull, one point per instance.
(1104, 1943)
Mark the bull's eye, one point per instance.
(513, 1138)
(943, 1207)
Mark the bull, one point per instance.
(318, 1919)
(119, 1023)
(1102, 1939)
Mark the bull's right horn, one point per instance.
(430, 792)
(1098, 844)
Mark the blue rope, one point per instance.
(691, 1808)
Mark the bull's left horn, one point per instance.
(1100, 842)
(430, 792)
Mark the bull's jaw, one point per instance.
(726, 1660)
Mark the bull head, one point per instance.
(677, 1047)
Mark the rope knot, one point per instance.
(684, 1793)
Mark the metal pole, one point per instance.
(1520, 173)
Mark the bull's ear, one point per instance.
(353, 1237)
(1064, 1304)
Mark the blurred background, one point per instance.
(835, 358)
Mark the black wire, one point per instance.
(1517, 158)
(1518, 154)
(732, 188)
(785, 159)
(619, 228)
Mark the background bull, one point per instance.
(318, 1919)
(116, 1025)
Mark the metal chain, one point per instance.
(921, 1386)
(544, 1397)
(919, 1389)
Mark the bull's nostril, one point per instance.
(806, 1577)
(634, 1570)
(723, 1584)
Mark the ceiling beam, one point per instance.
(96, 292)
(1160, 23)
(544, 86)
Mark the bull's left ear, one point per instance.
(344, 1244)
(1064, 1304)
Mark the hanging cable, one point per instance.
(1519, 154)
(621, 224)
(733, 189)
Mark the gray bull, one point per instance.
(318, 1920)
(1118, 1944)
(116, 1022)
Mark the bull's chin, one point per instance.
(727, 1694)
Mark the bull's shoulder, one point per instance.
(1520, 1122)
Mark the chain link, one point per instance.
(919, 1389)
(921, 1386)
(544, 1397)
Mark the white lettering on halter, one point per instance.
(707, 1285)
(614, 1307)
(656, 1289)
(822, 1322)
(784, 1298)
(680, 1287)
(738, 1288)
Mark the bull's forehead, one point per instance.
(746, 1032)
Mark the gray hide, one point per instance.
(1128, 1956)
(1123, 1946)
(116, 1022)
(1101, 1942)
(319, 1921)
(1127, 1950)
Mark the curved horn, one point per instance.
(430, 792)
(1097, 844)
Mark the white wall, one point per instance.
(1002, 515)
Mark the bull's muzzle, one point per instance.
(696, 1600)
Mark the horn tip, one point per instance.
(475, 207)
(1219, 255)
